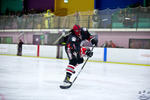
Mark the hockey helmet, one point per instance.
(76, 29)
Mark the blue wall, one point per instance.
(112, 4)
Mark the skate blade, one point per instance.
(65, 86)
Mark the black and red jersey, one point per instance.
(74, 42)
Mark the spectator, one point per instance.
(49, 19)
(105, 44)
(19, 53)
(96, 19)
(77, 15)
(120, 16)
(111, 44)
(19, 20)
(129, 20)
(133, 20)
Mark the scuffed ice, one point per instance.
(23, 78)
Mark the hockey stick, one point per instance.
(66, 87)
(82, 66)
(63, 33)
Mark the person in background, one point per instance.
(96, 19)
(105, 44)
(19, 53)
(49, 19)
(111, 44)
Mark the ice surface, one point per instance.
(26, 78)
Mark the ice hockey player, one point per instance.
(75, 51)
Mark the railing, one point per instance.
(108, 18)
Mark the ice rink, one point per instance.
(28, 78)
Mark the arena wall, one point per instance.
(119, 37)
(120, 55)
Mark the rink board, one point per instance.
(122, 55)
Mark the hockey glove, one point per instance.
(94, 41)
(89, 53)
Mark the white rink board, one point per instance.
(64, 53)
(123, 55)
(98, 54)
(8, 49)
(48, 51)
(138, 56)
(29, 50)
